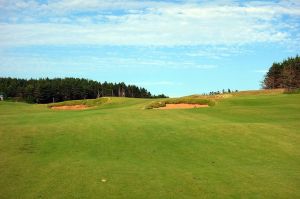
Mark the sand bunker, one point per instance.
(182, 106)
(74, 107)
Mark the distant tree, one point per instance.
(160, 96)
(49, 90)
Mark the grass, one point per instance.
(245, 146)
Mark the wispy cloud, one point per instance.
(96, 61)
(147, 22)
(179, 46)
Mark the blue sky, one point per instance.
(174, 47)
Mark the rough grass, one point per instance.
(293, 91)
(87, 102)
(244, 147)
(241, 93)
(260, 92)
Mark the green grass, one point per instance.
(245, 146)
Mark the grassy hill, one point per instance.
(246, 146)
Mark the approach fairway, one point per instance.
(245, 146)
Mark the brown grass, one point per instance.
(73, 107)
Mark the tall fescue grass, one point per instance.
(87, 102)
(292, 91)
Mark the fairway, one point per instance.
(246, 146)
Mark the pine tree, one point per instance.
(283, 75)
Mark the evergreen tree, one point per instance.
(49, 90)
(283, 75)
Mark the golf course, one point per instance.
(244, 145)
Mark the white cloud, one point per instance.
(89, 62)
(217, 52)
(148, 23)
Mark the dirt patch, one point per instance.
(73, 107)
(182, 106)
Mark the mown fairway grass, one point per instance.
(243, 147)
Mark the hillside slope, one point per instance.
(244, 147)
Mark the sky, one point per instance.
(178, 47)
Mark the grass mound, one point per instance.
(86, 102)
(260, 92)
(182, 100)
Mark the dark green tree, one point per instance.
(283, 75)
(57, 89)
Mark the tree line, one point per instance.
(45, 90)
(285, 74)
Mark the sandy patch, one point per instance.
(74, 107)
(182, 106)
